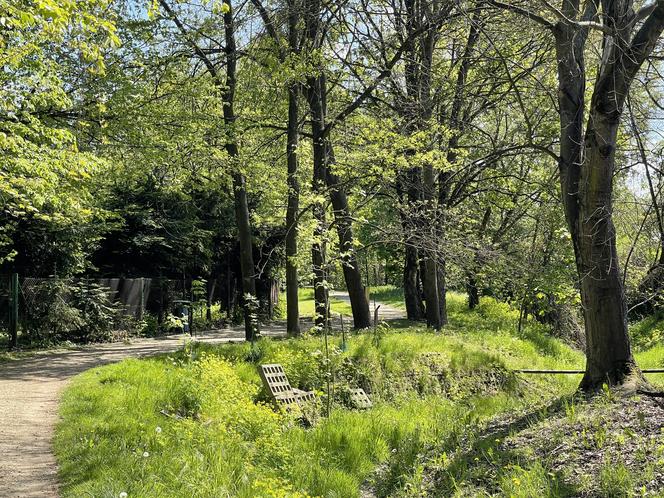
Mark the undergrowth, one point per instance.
(198, 423)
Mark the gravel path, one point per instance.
(30, 389)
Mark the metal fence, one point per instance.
(121, 297)
(52, 301)
(5, 302)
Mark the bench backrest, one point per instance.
(275, 380)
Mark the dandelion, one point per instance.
(123, 495)
(146, 454)
(158, 430)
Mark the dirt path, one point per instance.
(29, 393)
(30, 389)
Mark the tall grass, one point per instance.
(197, 423)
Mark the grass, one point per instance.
(435, 398)
(307, 304)
(388, 294)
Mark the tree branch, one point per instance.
(523, 12)
(197, 50)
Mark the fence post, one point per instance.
(13, 310)
(142, 303)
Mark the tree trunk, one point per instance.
(242, 216)
(292, 283)
(211, 286)
(292, 144)
(442, 291)
(431, 290)
(587, 166)
(471, 274)
(227, 89)
(608, 352)
(318, 255)
(323, 159)
(473, 290)
(350, 264)
(411, 287)
(246, 257)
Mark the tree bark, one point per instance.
(411, 287)
(292, 143)
(292, 282)
(609, 356)
(323, 160)
(247, 268)
(350, 264)
(431, 290)
(318, 255)
(227, 90)
(587, 166)
(325, 176)
(242, 216)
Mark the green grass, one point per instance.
(307, 304)
(388, 294)
(433, 394)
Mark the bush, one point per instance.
(63, 310)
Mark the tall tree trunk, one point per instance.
(349, 261)
(227, 88)
(417, 111)
(609, 356)
(323, 160)
(292, 143)
(318, 255)
(431, 290)
(587, 166)
(292, 282)
(242, 216)
(246, 257)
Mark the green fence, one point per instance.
(9, 305)
(29, 305)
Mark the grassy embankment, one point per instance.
(433, 426)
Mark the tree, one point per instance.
(293, 35)
(227, 85)
(48, 212)
(587, 159)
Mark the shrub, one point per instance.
(78, 311)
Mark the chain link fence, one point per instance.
(88, 309)
(83, 309)
(5, 302)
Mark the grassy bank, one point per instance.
(197, 424)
